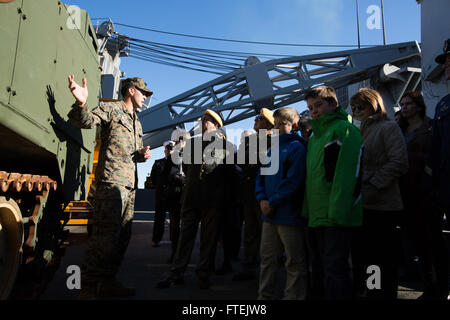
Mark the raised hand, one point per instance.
(80, 93)
(145, 152)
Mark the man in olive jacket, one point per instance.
(206, 194)
(332, 200)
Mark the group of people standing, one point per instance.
(346, 191)
(330, 212)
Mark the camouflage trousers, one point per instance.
(111, 232)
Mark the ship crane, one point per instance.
(238, 95)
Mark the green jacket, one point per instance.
(333, 180)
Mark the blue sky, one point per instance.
(286, 21)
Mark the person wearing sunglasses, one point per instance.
(263, 125)
(384, 161)
(115, 182)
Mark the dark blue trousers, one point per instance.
(329, 256)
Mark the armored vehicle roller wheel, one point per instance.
(11, 239)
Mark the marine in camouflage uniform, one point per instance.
(116, 183)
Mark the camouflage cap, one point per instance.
(138, 83)
(441, 58)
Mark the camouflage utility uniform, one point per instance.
(116, 182)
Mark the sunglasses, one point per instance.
(140, 90)
(258, 117)
(359, 108)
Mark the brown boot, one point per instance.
(113, 288)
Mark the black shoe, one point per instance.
(243, 277)
(203, 283)
(224, 270)
(169, 282)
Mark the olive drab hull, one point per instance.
(40, 48)
(42, 43)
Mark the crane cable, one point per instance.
(243, 41)
(199, 59)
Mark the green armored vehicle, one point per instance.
(45, 162)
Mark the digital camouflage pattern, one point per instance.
(111, 233)
(121, 137)
(115, 182)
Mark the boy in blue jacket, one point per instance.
(279, 196)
